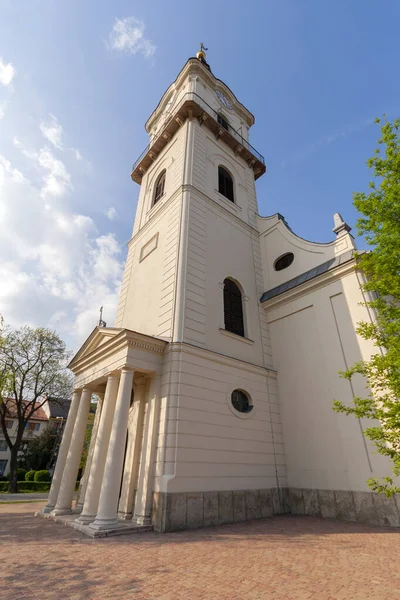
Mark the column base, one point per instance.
(85, 519)
(125, 516)
(48, 508)
(61, 511)
(104, 524)
(142, 520)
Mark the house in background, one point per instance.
(57, 412)
(34, 427)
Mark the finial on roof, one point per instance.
(340, 226)
(201, 55)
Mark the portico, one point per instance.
(123, 368)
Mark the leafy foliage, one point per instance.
(42, 475)
(40, 450)
(380, 224)
(30, 475)
(32, 369)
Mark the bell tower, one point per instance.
(195, 224)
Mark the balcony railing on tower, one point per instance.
(192, 104)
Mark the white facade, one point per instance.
(177, 453)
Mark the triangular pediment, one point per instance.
(99, 337)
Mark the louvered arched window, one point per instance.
(225, 184)
(233, 308)
(160, 186)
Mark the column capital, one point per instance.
(112, 376)
(126, 369)
(140, 381)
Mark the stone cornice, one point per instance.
(194, 66)
(124, 339)
(310, 286)
(178, 347)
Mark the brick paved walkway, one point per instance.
(283, 558)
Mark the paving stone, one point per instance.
(159, 508)
(365, 508)
(387, 510)
(292, 557)
(176, 512)
(296, 501)
(225, 507)
(210, 500)
(345, 507)
(267, 509)
(253, 510)
(277, 502)
(239, 506)
(194, 509)
(311, 503)
(327, 504)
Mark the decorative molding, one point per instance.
(149, 247)
(305, 288)
(216, 357)
(144, 346)
(235, 336)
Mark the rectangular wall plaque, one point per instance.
(149, 247)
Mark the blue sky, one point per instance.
(73, 103)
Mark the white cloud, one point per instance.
(7, 73)
(56, 268)
(127, 35)
(111, 213)
(78, 155)
(52, 131)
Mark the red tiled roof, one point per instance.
(38, 415)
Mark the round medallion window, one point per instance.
(284, 261)
(241, 402)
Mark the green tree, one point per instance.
(380, 224)
(40, 450)
(32, 368)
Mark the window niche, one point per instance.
(225, 184)
(159, 187)
(233, 308)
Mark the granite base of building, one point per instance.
(191, 510)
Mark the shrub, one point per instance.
(21, 474)
(30, 476)
(3, 478)
(42, 476)
(27, 486)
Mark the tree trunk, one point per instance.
(13, 486)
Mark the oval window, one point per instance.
(283, 262)
(240, 401)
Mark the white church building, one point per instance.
(217, 380)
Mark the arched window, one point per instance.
(225, 183)
(233, 308)
(223, 122)
(160, 185)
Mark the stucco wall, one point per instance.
(203, 444)
(313, 337)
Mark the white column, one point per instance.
(63, 451)
(84, 480)
(66, 493)
(144, 496)
(132, 460)
(96, 472)
(107, 511)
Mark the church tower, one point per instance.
(195, 225)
